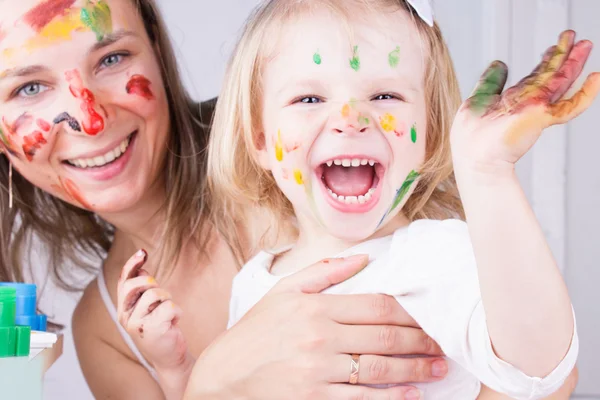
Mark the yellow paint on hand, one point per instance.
(346, 111)
(279, 147)
(298, 177)
(59, 29)
(388, 122)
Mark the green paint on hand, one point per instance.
(317, 58)
(97, 17)
(394, 57)
(413, 133)
(355, 60)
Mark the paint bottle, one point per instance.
(26, 306)
(14, 339)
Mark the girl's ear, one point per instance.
(262, 151)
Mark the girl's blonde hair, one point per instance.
(237, 179)
(71, 236)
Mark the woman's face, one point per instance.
(83, 109)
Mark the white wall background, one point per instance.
(559, 175)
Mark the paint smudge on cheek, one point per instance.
(279, 147)
(73, 192)
(413, 133)
(387, 122)
(93, 122)
(70, 120)
(140, 85)
(43, 125)
(401, 193)
(298, 177)
(285, 174)
(8, 144)
(355, 60)
(98, 18)
(23, 121)
(394, 57)
(362, 120)
(317, 58)
(32, 143)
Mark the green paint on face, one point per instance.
(413, 133)
(355, 60)
(352, 103)
(317, 58)
(363, 120)
(97, 17)
(401, 193)
(394, 57)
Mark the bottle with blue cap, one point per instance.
(26, 300)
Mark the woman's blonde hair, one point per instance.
(235, 176)
(75, 237)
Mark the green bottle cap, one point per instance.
(8, 306)
(23, 341)
(7, 341)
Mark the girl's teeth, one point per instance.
(348, 162)
(362, 199)
(99, 161)
(355, 162)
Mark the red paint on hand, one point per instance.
(139, 85)
(93, 122)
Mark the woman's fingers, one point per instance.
(149, 301)
(373, 370)
(322, 275)
(131, 292)
(345, 392)
(385, 340)
(365, 309)
(133, 265)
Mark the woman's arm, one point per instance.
(108, 366)
(299, 341)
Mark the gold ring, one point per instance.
(354, 367)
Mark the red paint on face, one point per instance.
(73, 191)
(93, 122)
(41, 15)
(43, 125)
(139, 85)
(23, 120)
(289, 149)
(32, 143)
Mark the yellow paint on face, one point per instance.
(279, 147)
(298, 177)
(346, 111)
(8, 53)
(59, 29)
(388, 122)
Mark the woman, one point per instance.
(103, 153)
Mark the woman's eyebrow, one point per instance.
(111, 38)
(20, 72)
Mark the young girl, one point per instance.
(340, 113)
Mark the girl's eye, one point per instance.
(310, 100)
(31, 89)
(111, 60)
(386, 96)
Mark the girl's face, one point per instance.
(345, 121)
(83, 110)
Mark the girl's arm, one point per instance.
(528, 310)
(564, 393)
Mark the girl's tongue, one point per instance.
(349, 181)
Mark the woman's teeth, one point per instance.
(100, 161)
(353, 199)
(351, 162)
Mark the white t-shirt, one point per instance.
(430, 269)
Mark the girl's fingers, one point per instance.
(565, 110)
(560, 83)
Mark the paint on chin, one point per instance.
(140, 86)
(73, 192)
(93, 123)
(401, 193)
(41, 15)
(32, 143)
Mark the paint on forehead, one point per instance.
(97, 17)
(413, 133)
(394, 57)
(93, 123)
(58, 30)
(41, 15)
(279, 147)
(298, 177)
(355, 60)
(32, 143)
(70, 120)
(387, 122)
(139, 85)
(317, 58)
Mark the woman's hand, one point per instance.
(150, 317)
(298, 342)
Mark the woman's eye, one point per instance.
(111, 60)
(31, 89)
(310, 100)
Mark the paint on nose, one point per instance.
(70, 120)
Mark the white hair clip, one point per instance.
(424, 9)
